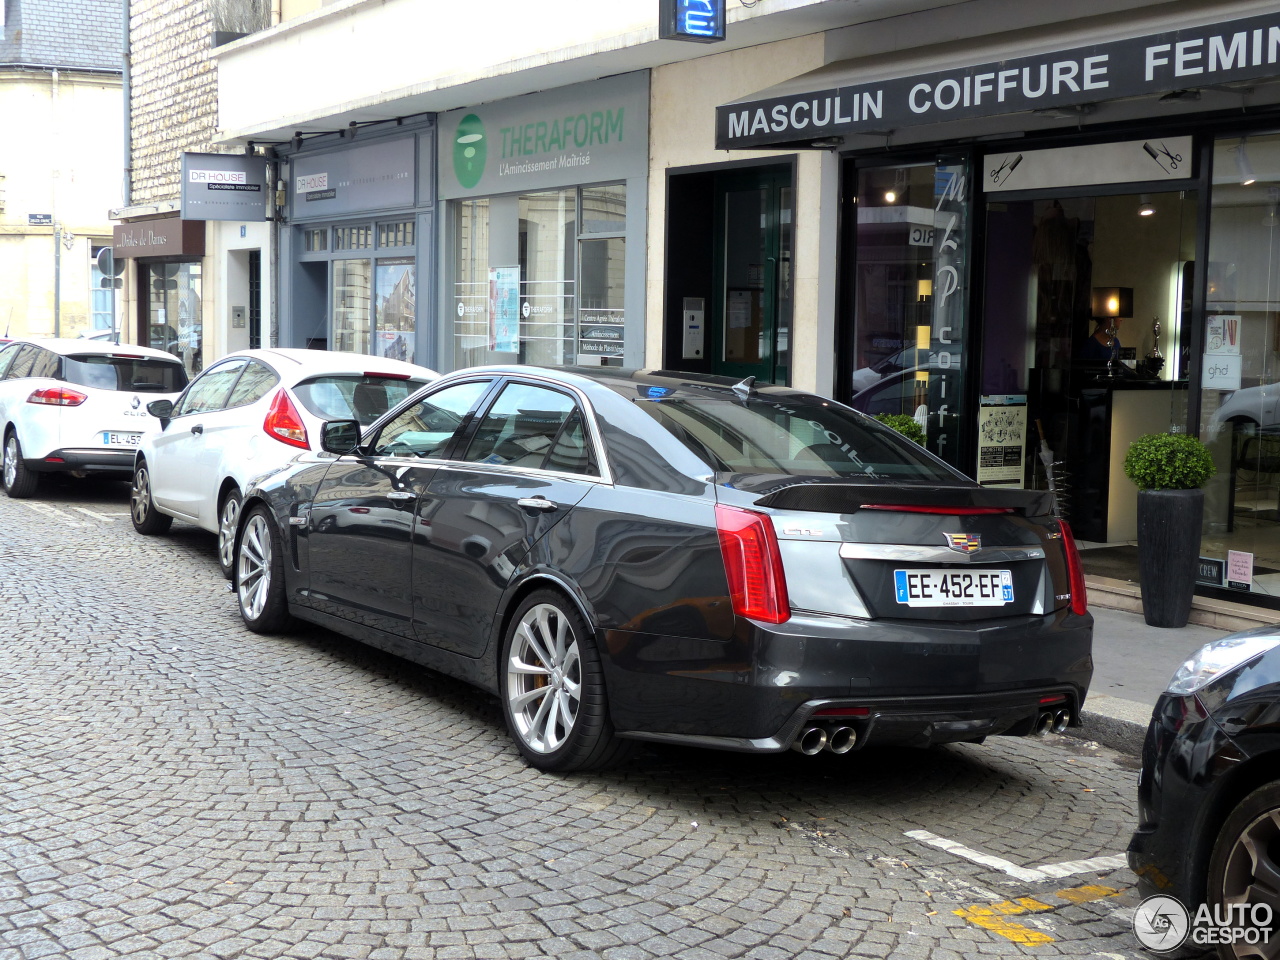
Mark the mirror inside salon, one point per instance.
(1087, 322)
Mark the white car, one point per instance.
(77, 406)
(248, 414)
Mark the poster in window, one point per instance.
(504, 309)
(1002, 440)
(395, 307)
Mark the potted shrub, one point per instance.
(905, 425)
(1170, 470)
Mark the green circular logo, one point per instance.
(469, 151)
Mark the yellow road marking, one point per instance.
(993, 917)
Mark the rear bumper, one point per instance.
(919, 683)
(904, 721)
(104, 460)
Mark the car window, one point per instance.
(522, 427)
(426, 427)
(349, 397)
(210, 390)
(141, 374)
(800, 436)
(45, 363)
(22, 364)
(6, 357)
(253, 384)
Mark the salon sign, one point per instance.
(1218, 53)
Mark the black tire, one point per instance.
(228, 521)
(1251, 830)
(587, 740)
(147, 520)
(19, 482)
(259, 574)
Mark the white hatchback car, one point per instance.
(76, 406)
(246, 415)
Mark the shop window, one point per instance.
(1240, 368)
(351, 305)
(174, 318)
(352, 238)
(911, 293)
(398, 234)
(315, 241)
(395, 307)
(530, 287)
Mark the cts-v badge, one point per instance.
(964, 542)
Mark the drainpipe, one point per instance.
(127, 192)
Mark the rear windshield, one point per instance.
(141, 374)
(363, 398)
(801, 436)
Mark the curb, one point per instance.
(1113, 722)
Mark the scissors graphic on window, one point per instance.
(1173, 158)
(1001, 173)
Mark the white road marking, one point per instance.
(1047, 871)
(101, 516)
(54, 513)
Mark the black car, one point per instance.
(625, 556)
(1209, 794)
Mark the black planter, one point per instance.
(1168, 548)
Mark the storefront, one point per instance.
(1048, 249)
(167, 258)
(545, 207)
(357, 246)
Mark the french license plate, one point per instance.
(953, 588)
(113, 438)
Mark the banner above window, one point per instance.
(1193, 57)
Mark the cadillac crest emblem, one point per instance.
(964, 542)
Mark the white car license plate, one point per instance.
(953, 588)
(113, 438)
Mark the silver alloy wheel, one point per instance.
(139, 493)
(544, 678)
(228, 517)
(11, 460)
(1252, 875)
(253, 576)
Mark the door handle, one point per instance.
(401, 495)
(535, 503)
(198, 429)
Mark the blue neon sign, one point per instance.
(700, 21)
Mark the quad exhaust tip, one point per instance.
(1052, 722)
(842, 739)
(811, 741)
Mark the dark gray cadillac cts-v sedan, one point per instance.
(624, 556)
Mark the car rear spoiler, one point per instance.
(852, 497)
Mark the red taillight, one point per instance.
(1047, 700)
(1075, 572)
(284, 424)
(753, 564)
(948, 511)
(58, 397)
(386, 376)
(843, 712)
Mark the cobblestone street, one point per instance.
(172, 785)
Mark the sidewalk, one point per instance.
(1132, 662)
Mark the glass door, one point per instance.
(753, 274)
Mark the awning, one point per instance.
(877, 98)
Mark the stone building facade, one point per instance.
(61, 169)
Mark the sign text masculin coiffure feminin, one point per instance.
(1196, 56)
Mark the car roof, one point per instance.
(626, 381)
(82, 346)
(292, 361)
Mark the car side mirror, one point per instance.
(340, 436)
(161, 409)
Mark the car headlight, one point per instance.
(1222, 656)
